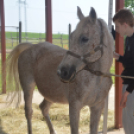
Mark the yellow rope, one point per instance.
(109, 74)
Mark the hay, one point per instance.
(12, 121)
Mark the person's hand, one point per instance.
(116, 55)
(124, 99)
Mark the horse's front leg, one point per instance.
(95, 118)
(74, 113)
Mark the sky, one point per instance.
(64, 12)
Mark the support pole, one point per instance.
(3, 46)
(20, 28)
(119, 48)
(110, 12)
(48, 20)
(69, 34)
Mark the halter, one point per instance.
(83, 58)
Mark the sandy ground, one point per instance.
(37, 98)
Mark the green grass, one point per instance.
(34, 35)
(112, 70)
(12, 39)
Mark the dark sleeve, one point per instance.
(121, 59)
(130, 87)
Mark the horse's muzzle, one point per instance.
(67, 74)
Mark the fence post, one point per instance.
(61, 40)
(17, 35)
(20, 27)
(69, 35)
(40, 38)
(12, 39)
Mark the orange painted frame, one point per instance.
(3, 45)
(48, 20)
(119, 48)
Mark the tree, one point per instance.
(130, 5)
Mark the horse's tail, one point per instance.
(13, 83)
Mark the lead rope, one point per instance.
(110, 74)
(99, 73)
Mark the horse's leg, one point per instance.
(95, 118)
(28, 85)
(44, 106)
(74, 113)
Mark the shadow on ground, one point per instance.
(1, 129)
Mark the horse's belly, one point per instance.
(53, 93)
(50, 86)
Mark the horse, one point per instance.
(66, 76)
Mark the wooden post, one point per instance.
(12, 39)
(119, 48)
(3, 45)
(48, 20)
(61, 40)
(110, 8)
(69, 35)
(20, 27)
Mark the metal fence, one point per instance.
(12, 39)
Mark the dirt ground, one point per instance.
(37, 98)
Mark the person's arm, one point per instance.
(130, 87)
(118, 57)
(124, 99)
(128, 91)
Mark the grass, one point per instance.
(12, 121)
(12, 39)
(112, 70)
(34, 35)
(10, 44)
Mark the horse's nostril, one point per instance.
(64, 73)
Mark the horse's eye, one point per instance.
(84, 39)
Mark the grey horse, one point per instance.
(67, 77)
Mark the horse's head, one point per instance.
(83, 41)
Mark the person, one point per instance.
(124, 23)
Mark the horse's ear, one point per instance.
(92, 15)
(79, 13)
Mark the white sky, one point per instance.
(63, 13)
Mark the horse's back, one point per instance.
(37, 51)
